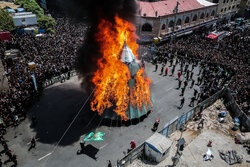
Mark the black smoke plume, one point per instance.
(93, 11)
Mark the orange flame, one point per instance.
(111, 78)
(141, 92)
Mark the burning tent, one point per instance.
(132, 112)
(122, 89)
(108, 64)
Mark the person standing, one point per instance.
(162, 69)
(171, 62)
(182, 91)
(109, 163)
(156, 67)
(192, 102)
(185, 83)
(195, 92)
(186, 68)
(173, 69)
(179, 83)
(14, 159)
(132, 145)
(32, 143)
(182, 102)
(191, 76)
(192, 83)
(82, 145)
(187, 75)
(179, 75)
(166, 71)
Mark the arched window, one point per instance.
(163, 27)
(178, 23)
(187, 19)
(194, 18)
(202, 16)
(146, 27)
(213, 13)
(171, 23)
(207, 14)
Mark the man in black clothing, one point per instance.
(187, 75)
(179, 83)
(173, 69)
(109, 163)
(182, 102)
(162, 68)
(195, 92)
(192, 102)
(82, 145)
(14, 159)
(156, 67)
(185, 83)
(192, 83)
(32, 143)
(191, 76)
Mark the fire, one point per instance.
(111, 78)
(141, 93)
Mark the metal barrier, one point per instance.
(49, 82)
(183, 119)
(131, 156)
(235, 110)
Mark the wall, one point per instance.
(157, 22)
(225, 7)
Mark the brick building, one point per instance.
(157, 19)
(227, 8)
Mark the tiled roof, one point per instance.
(162, 8)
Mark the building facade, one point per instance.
(158, 19)
(227, 8)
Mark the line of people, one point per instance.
(223, 64)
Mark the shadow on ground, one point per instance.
(55, 111)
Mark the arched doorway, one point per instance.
(171, 23)
(213, 13)
(194, 18)
(178, 23)
(202, 16)
(187, 19)
(163, 27)
(146, 27)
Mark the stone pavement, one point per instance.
(59, 105)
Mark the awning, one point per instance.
(11, 10)
(20, 10)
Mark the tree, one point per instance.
(46, 22)
(31, 6)
(6, 21)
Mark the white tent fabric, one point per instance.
(127, 55)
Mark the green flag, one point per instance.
(94, 136)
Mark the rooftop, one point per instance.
(4, 4)
(163, 8)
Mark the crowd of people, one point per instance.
(222, 64)
(53, 55)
